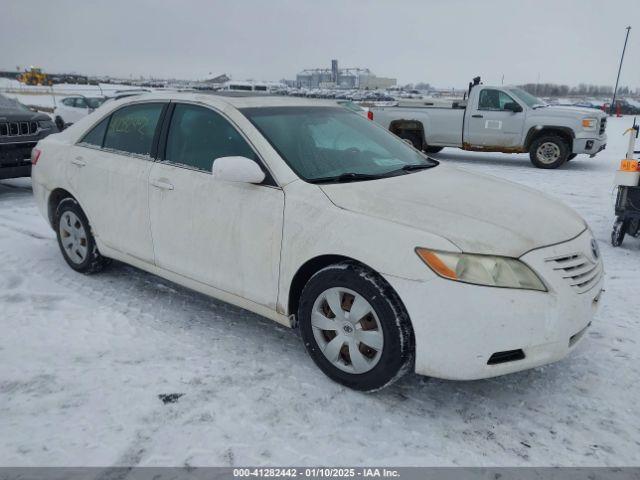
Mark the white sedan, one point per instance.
(71, 109)
(313, 216)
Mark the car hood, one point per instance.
(560, 110)
(478, 213)
(19, 115)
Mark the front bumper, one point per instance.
(459, 327)
(590, 146)
(15, 159)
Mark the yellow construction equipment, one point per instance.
(34, 76)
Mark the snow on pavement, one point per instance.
(83, 360)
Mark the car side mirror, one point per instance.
(237, 169)
(512, 107)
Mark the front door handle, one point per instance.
(162, 184)
(477, 115)
(79, 162)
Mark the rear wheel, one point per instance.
(548, 151)
(75, 239)
(355, 327)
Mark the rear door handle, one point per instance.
(476, 116)
(162, 184)
(79, 162)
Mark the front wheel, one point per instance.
(548, 151)
(355, 327)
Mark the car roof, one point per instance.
(237, 99)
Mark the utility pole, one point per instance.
(615, 90)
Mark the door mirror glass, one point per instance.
(237, 169)
(512, 107)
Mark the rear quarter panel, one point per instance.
(442, 126)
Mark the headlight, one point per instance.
(589, 123)
(45, 124)
(481, 269)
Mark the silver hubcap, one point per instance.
(347, 330)
(73, 237)
(548, 152)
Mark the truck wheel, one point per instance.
(432, 149)
(75, 239)
(571, 156)
(355, 327)
(618, 232)
(549, 151)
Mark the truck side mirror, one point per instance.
(512, 107)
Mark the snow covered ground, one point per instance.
(84, 359)
(48, 97)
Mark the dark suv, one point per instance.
(20, 130)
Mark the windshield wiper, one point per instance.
(412, 167)
(346, 177)
(417, 166)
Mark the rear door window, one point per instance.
(132, 129)
(95, 136)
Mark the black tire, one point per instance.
(618, 232)
(396, 357)
(432, 149)
(93, 262)
(59, 123)
(571, 156)
(559, 142)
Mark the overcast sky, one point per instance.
(444, 43)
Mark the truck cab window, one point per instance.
(491, 99)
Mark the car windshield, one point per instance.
(95, 102)
(333, 144)
(530, 100)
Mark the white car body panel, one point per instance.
(474, 215)
(233, 244)
(121, 222)
(244, 243)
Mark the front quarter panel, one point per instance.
(314, 226)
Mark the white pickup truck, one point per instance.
(499, 119)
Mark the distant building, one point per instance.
(342, 77)
(219, 80)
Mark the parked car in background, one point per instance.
(499, 119)
(72, 109)
(385, 260)
(20, 130)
